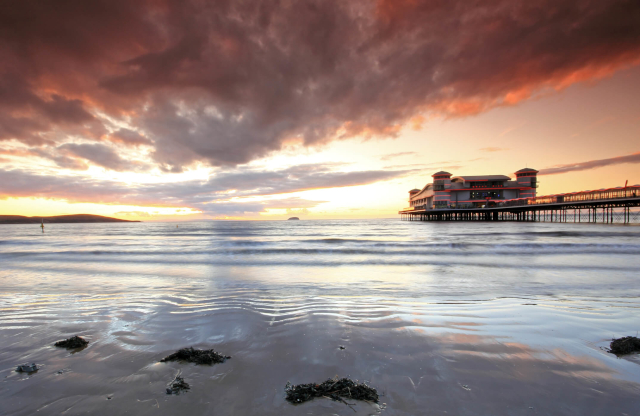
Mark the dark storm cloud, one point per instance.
(591, 164)
(213, 196)
(27, 116)
(226, 82)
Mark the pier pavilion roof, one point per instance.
(483, 178)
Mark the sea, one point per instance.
(442, 318)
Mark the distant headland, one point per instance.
(294, 218)
(58, 219)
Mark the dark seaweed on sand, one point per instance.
(625, 345)
(334, 389)
(73, 342)
(196, 356)
(177, 386)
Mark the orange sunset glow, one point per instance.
(186, 110)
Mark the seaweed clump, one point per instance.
(177, 386)
(73, 342)
(625, 345)
(335, 389)
(27, 368)
(196, 356)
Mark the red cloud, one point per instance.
(224, 83)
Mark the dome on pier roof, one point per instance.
(441, 173)
(526, 170)
(414, 190)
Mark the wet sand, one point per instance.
(425, 338)
(499, 357)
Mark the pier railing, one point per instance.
(583, 196)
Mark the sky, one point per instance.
(167, 110)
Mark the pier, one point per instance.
(606, 206)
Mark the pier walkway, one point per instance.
(602, 206)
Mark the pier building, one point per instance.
(473, 191)
(499, 198)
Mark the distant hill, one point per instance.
(58, 219)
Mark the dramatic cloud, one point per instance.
(128, 137)
(592, 164)
(77, 156)
(226, 82)
(226, 193)
(100, 155)
(296, 179)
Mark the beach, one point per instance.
(441, 318)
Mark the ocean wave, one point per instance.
(559, 233)
(387, 249)
(476, 261)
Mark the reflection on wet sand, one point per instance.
(442, 319)
(423, 358)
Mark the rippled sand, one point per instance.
(464, 331)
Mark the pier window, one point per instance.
(486, 194)
(487, 184)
